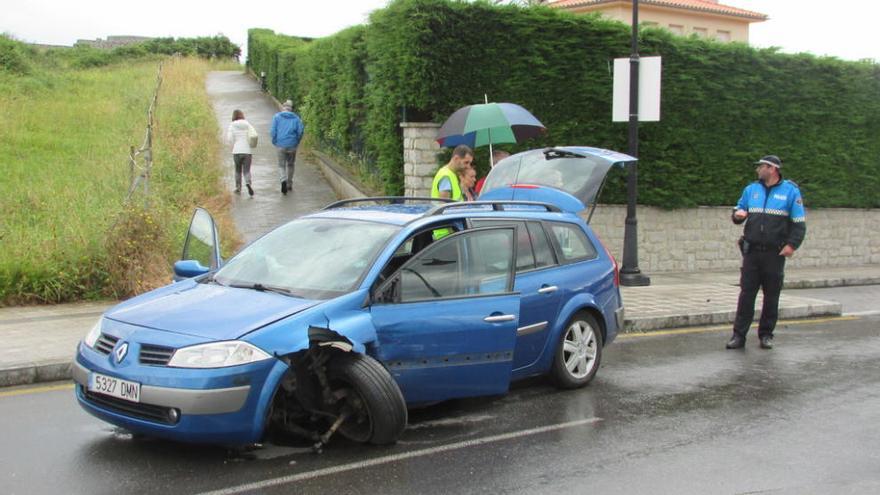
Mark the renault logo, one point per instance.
(120, 352)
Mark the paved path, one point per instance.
(254, 216)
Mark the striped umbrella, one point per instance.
(489, 123)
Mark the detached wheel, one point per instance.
(578, 352)
(371, 398)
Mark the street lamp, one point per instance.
(630, 274)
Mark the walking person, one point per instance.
(773, 211)
(240, 134)
(287, 131)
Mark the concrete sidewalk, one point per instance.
(41, 340)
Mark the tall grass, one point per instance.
(64, 143)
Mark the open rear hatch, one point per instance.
(568, 177)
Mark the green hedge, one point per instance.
(724, 105)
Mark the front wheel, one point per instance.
(578, 352)
(370, 396)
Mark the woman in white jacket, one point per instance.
(239, 134)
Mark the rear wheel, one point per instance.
(578, 352)
(369, 396)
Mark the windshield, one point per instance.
(580, 176)
(315, 258)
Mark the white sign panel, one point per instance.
(649, 90)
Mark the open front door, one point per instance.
(201, 248)
(446, 320)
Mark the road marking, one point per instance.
(36, 390)
(715, 328)
(293, 478)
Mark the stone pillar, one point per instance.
(420, 150)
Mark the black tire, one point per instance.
(379, 411)
(578, 352)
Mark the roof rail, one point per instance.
(393, 200)
(496, 206)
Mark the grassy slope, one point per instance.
(64, 140)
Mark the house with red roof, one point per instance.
(706, 18)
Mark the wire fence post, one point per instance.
(140, 174)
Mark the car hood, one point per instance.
(207, 310)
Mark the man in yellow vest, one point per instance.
(446, 183)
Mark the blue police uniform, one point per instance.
(775, 218)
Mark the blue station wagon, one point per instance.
(341, 320)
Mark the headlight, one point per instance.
(94, 333)
(217, 355)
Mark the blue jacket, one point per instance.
(776, 214)
(287, 129)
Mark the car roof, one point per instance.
(390, 214)
(404, 214)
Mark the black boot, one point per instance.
(766, 342)
(284, 187)
(736, 342)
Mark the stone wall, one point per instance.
(704, 238)
(420, 151)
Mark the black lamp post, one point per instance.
(630, 274)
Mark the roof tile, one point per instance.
(698, 5)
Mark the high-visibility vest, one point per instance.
(453, 179)
(435, 193)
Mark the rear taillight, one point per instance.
(613, 261)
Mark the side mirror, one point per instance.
(202, 241)
(188, 269)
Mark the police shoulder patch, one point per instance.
(799, 201)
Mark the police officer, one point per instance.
(773, 211)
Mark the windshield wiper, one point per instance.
(264, 288)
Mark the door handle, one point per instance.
(548, 289)
(499, 318)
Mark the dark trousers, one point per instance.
(764, 270)
(242, 163)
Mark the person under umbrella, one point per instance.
(446, 184)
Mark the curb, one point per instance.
(36, 373)
(343, 183)
(635, 325)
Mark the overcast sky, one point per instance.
(843, 28)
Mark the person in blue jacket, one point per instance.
(286, 132)
(775, 225)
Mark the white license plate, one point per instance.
(115, 387)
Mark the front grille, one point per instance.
(106, 343)
(149, 412)
(155, 355)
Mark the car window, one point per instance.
(315, 258)
(544, 255)
(525, 259)
(571, 242)
(474, 263)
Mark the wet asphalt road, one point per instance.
(668, 413)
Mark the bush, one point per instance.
(13, 56)
(724, 105)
